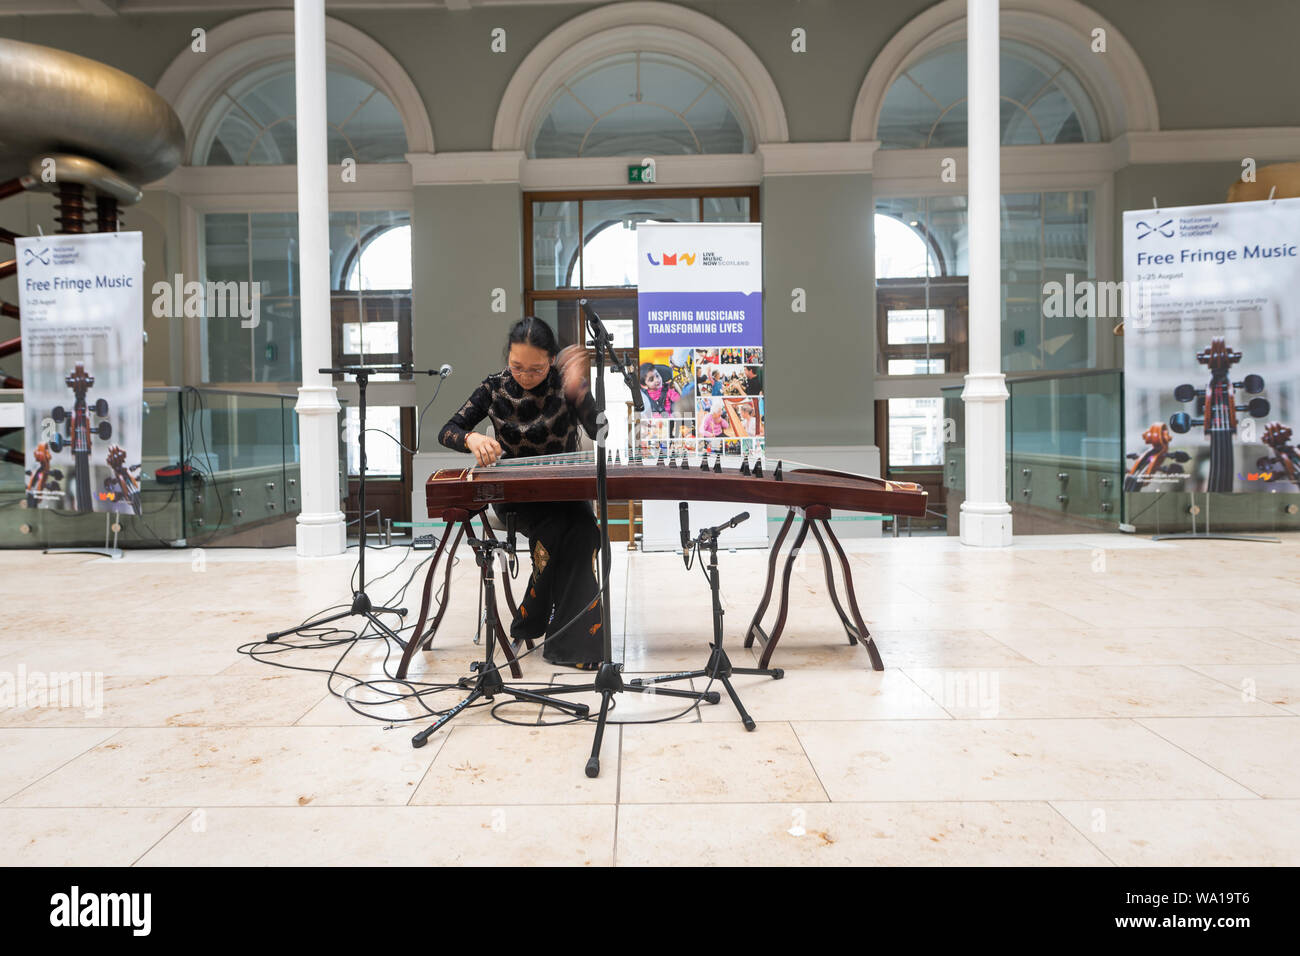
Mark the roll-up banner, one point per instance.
(1212, 347)
(82, 318)
(700, 333)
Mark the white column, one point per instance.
(985, 514)
(321, 525)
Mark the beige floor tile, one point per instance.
(1276, 684)
(193, 652)
(826, 695)
(501, 765)
(850, 834)
(1140, 645)
(715, 763)
(1152, 691)
(828, 649)
(393, 836)
(82, 837)
(245, 766)
(1190, 832)
(1005, 760)
(269, 699)
(1261, 753)
(30, 753)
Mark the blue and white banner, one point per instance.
(1211, 339)
(82, 318)
(700, 330)
(700, 333)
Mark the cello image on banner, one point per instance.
(1284, 463)
(1152, 461)
(1218, 408)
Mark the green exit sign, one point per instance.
(641, 174)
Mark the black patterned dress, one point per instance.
(563, 537)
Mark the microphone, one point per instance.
(444, 371)
(714, 532)
(683, 512)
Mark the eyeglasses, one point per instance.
(533, 372)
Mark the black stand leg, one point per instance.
(719, 667)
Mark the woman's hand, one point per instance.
(484, 449)
(573, 364)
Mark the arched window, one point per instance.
(252, 121)
(1042, 101)
(639, 104)
(902, 251)
(382, 263)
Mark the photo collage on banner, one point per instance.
(701, 360)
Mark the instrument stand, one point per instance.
(488, 684)
(719, 666)
(855, 627)
(422, 639)
(362, 606)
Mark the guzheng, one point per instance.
(542, 479)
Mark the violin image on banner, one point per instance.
(1219, 409)
(1152, 461)
(79, 431)
(1285, 461)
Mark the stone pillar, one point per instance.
(322, 528)
(985, 514)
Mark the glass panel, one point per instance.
(383, 455)
(276, 347)
(378, 338)
(556, 254)
(726, 209)
(916, 366)
(909, 326)
(275, 252)
(609, 249)
(915, 431)
(235, 448)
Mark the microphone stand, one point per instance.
(719, 666)
(361, 605)
(609, 677)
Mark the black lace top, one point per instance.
(535, 421)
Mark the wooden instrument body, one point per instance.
(475, 488)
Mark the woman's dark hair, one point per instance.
(530, 330)
(646, 369)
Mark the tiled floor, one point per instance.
(1093, 700)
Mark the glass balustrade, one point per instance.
(217, 468)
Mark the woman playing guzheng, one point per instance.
(537, 404)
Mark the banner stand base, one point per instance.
(107, 551)
(1206, 536)
(114, 553)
